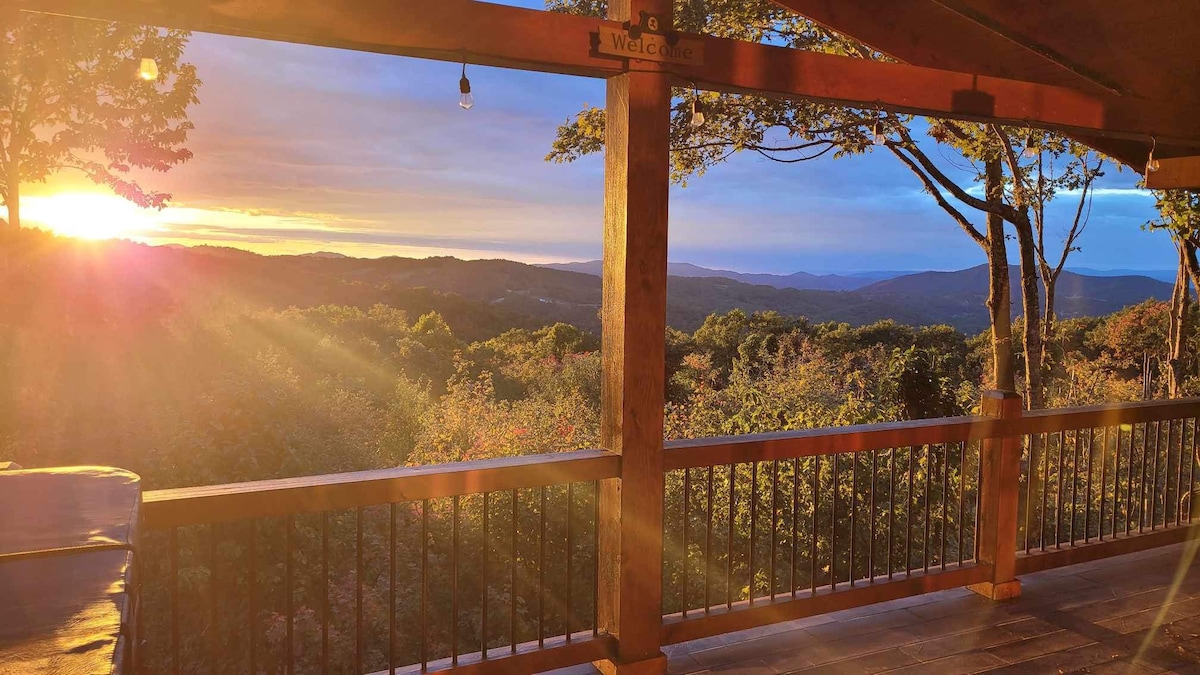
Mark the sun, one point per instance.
(88, 215)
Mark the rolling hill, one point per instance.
(798, 280)
(107, 283)
(958, 297)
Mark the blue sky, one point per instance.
(301, 149)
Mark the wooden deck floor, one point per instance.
(1118, 615)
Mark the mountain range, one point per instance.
(481, 298)
(827, 282)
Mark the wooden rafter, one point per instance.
(484, 33)
(1027, 43)
(927, 33)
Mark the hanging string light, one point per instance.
(148, 70)
(878, 135)
(465, 100)
(1031, 150)
(697, 117)
(1152, 164)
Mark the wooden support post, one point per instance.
(637, 182)
(1000, 491)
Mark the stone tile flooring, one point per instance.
(1138, 613)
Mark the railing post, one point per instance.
(999, 503)
(637, 184)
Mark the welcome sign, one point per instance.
(649, 46)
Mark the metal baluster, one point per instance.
(683, 592)
(1087, 501)
(753, 528)
(708, 528)
(1045, 490)
(909, 506)
(1154, 491)
(173, 552)
(425, 584)
(945, 489)
(252, 581)
(570, 623)
(962, 493)
(287, 589)
(1103, 480)
(595, 558)
(1058, 493)
(978, 498)
(812, 539)
(853, 512)
(836, 478)
(1129, 483)
(392, 586)
(214, 632)
(454, 506)
(795, 521)
(512, 570)
(871, 549)
(925, 510)
(1178, 502)
(1074, 488)
(324, 591)
(891, 508)
(729, 539)
(541, 624)
(1192, 469)
(1028, 488)
(774, 526)
(1116, 482)
(358, 590)
(483, 593)
(1142, 486)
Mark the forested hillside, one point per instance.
(195, 367)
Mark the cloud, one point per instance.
(301, 148)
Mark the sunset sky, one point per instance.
(303, 149)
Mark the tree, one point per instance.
(71, 98)
(737, 123)
(1179, 214)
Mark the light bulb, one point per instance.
(878, 137)
(697, 119)
(1152, 164)
(465, 100)
(1031, 150)
(148, 70)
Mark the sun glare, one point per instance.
(88, 215)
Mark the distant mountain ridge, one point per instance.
(482, 298)
(797, 280)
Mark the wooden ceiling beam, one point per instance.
(926, 33)
(444, 30)
(1025, 42)
(499, 35)
(1175, 173)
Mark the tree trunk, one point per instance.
(13, 200)
(1032, 308)
(1050, 283)
(1177, 340)
(999, 303)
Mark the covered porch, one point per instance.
(852, 549)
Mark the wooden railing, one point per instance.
(492, 566)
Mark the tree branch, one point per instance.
(932, 189)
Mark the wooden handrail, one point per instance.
(311, 494)
(716, 451)
(1107, 415)
(702, 452)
